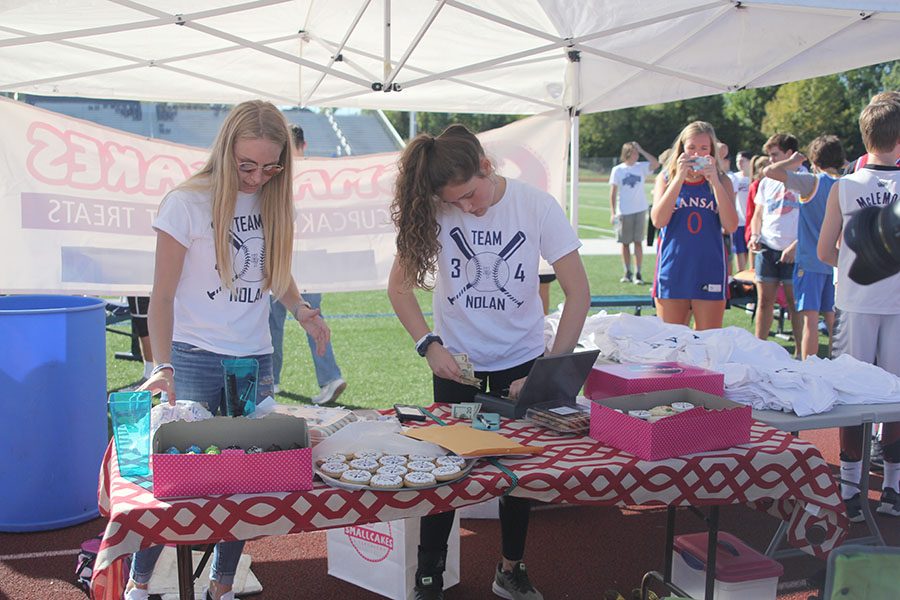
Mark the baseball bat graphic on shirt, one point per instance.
(486, 272)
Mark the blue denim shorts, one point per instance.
(769, 267)
(199, 376)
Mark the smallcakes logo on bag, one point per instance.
(373, 542)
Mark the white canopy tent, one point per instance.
(498, 56)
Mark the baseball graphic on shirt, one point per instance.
(249, 258)
(487, 272)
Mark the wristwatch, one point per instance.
(422, 345)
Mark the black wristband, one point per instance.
(422, 347)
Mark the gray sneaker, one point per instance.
(514, 585)
(330, 392)
(854, 508)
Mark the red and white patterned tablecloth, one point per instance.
(776, 473)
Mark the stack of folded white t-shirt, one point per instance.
(759, 373)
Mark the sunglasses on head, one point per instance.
(268, 170)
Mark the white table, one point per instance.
(845, 415)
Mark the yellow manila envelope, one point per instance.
(465, 441)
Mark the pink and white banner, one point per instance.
(78, 202)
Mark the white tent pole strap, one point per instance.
(347, 52)
(652, 21)
(475, 67)
(413, 44)
(502, 21)
(162, 19)
(618, 86)
(724, 87)
(337, 51)
(190, 21)
(386, 41)
(93, 31)
(255, 92)
(477, 86)
(572, 96)
(203, 14)
(573, 171)
(276, 53)
(351, 50)
(859, 20)
(136, 61)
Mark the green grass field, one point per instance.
(375, 353)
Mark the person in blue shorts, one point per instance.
(741, 180)
(694, 204)
(813, 279)
(773, 230)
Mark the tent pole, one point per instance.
(573, 168)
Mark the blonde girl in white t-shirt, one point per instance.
(224, 240)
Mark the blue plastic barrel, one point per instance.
(53, 427)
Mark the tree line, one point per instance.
(743, 119)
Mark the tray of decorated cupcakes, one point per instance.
(376, 471)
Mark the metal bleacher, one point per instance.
(197, 125)
(363, 136)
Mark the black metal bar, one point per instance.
(185, 581)
(670, 542)
(712, 545)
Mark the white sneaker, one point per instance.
(229, 595)
(137, 594)
(330, 391)
(276, 389)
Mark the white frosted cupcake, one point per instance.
(421, 466)
(418, 457)
(447, 473)
(450, 459)
(398, 470)
(418, 479)
(386, 482)
(337, 457)
(334, 469)
(392, 459)
(373, 454)
(662, 411)
(365, 464)
(356, 477)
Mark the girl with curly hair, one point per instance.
(474, 238)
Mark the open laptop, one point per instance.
(555, 378)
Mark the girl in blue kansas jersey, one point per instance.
(694, 204)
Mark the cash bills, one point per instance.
(468, 372)
(465, 410)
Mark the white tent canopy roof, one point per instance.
(500, 56)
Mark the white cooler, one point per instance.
(742, 573)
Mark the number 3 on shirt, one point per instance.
(454, 271)
(694, 222)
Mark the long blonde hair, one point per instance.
(692, 129)
(254, 119)
(427, 165)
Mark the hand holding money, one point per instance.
(468, 372)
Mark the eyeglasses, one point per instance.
(268, 170)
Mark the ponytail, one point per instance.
(427, 165)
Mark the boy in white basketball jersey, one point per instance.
(868, 322)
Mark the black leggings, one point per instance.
(514, 512)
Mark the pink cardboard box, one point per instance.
(712, 424)
(233, 471)
(608, 380)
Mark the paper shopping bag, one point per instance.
(381, 557)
